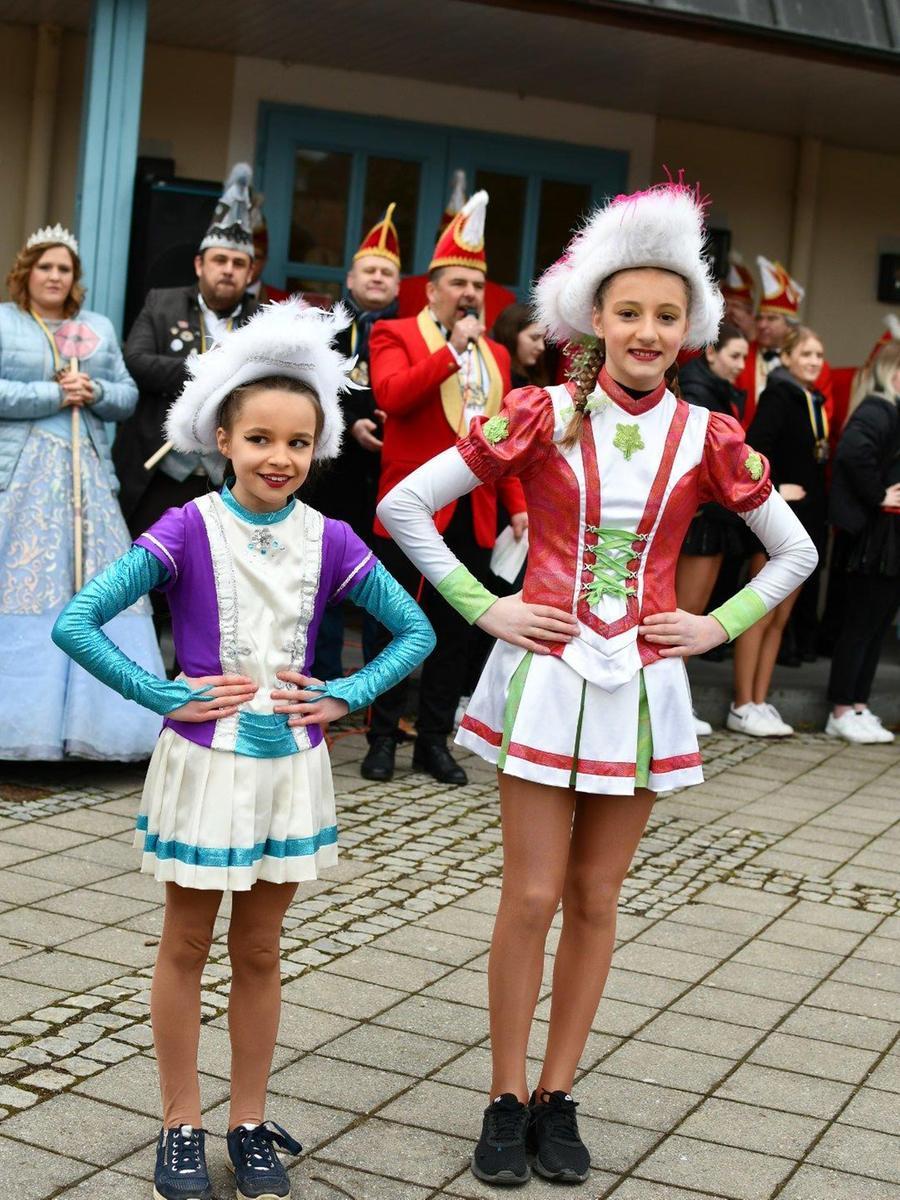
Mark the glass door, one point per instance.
(328, 177)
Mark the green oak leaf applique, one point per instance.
(496, 430)
(628, 440)
(754, 466)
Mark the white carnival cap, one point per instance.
(661, 227)
(53, 235)
(291, 338)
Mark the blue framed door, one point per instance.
(327, 176)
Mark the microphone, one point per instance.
(470, 312)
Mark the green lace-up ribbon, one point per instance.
(613, 551)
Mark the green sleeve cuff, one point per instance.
(740, 612)
(463, 592)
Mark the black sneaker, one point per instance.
(500, 1154)
(559, 1152)
(258, 1171)
(181, 1165)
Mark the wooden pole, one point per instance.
(76, 486)
(157, 456)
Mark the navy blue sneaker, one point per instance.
(181, 1165)
(499, 1157)
(258, 1171)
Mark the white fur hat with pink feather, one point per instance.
(661, 227)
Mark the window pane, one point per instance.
(394, 179)
(320, 292)
(562, 206)
(319, 216)
(505, 221)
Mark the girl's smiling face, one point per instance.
(270, 441)
(642, 317)
(805, 359)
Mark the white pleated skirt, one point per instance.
(216, 820)
(534, 717)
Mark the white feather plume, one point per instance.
(291, 338)
(661, 227)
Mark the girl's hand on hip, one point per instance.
(305, 707)
(528, 625)
(680, 633)
(227, 693)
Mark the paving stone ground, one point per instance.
(745, 1048)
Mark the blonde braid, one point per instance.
(589, 356)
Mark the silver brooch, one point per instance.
(264, 542)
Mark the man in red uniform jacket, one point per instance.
(431, 375)
(779, 308)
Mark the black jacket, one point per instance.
(345, 487)
(699, 385)
(866, 463)
(165, 332)
(781, 429)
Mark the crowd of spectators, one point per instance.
(64, 382)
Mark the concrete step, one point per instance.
(799, 693)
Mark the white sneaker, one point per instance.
(756, 721)
(852, 728)
(780, 728)
(875, 726)
(701, 728)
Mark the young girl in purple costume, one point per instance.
(239, 795)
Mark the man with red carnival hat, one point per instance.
(737, 292)
(778, 310)
(346, 489)
(432, 374)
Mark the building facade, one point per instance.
(342, 106)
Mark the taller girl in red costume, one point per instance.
(584, 704)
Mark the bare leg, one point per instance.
(175, 999)
(770, 645)
(606, 833)
(695, 579)
(254, 1006)
(537, 828)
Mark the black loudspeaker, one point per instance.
(716, 248)
(889, 278)
(168, 221)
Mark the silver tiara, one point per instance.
(53, 235)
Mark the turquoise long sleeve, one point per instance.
(78, 632)
(381, 595)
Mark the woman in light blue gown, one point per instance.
(49, 707)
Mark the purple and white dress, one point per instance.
(247, 797)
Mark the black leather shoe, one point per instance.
(436, 760)
(379, 762)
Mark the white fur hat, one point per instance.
(661, 227)
(291, 338)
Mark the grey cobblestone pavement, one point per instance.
(745, 1048)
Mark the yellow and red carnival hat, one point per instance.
(382, 240)
(781, 295)
(738, 283)
(462, 242)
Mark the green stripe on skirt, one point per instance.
(643, 750)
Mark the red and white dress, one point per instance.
(607, 518)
